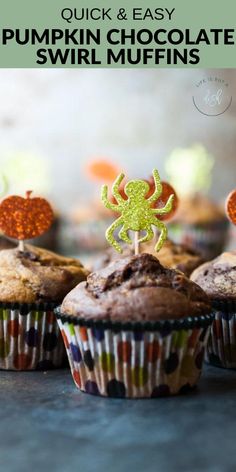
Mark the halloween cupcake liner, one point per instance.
(221, 346)
(135, 360)
(29, 337)
(208, 239)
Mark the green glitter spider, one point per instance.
(136, 212)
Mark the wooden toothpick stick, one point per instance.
(21, 246)
(136, 243)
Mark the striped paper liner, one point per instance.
(29, 337)
(116, 360)
(221, 347)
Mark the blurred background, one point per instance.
(53, 122)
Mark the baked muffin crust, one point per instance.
(175, 256)
(199, 209)
(137, 288)
(37, 275)
(218, 277)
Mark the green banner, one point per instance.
(117, 34)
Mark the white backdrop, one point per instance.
(133, 116)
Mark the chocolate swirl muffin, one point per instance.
(137, 288)
(135, 329)
(218, 279)
(175, 256)
(201, 224)
(37, 275)
(32, 283)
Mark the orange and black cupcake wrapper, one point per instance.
(133, 360)
(29, 337)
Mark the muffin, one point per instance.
(135, 329)
(201, 224)
(218, 279)
(6, 243)
(175, 256)
(32, 283)
(83, 229)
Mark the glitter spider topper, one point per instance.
(25, 218)
(137, 212)
(167, 190)
(231, 207)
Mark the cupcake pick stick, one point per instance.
(136, 243)
(25, 218)
(21, 246)
(137, 212)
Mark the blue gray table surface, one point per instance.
(46, 424)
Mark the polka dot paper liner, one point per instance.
(221, 346)
(134, 363)
(209, 239)
(29, 337)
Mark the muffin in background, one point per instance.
(218, 279)
(6, 243)
(135, 329)
(84, 228)
(175, 256)
(32, 283)
(200, 224)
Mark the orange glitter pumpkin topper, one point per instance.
(230, 207)
(25, 218)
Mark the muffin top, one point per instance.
(37, 275)
(218, 277)
(180, 257)
(198, 209)
(176, 256)
(136, 288)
